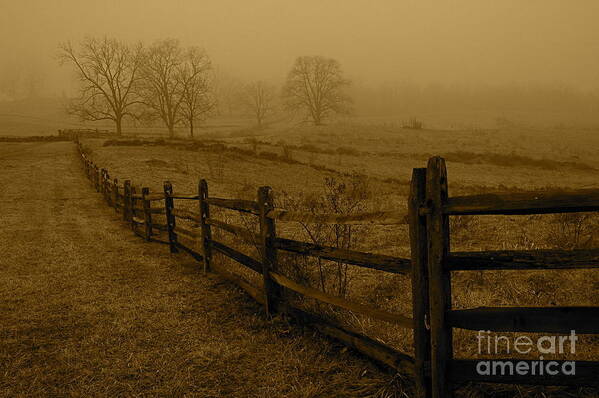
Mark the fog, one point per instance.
(465, 44)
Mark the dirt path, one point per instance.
(89, 309)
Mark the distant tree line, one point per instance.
(178, 86)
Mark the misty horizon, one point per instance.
(470, 46)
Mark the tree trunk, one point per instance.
(171, 131)
(316, 116)
(118, 122)
(191, 128)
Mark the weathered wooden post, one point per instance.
(115, 194)
(420, 300)
(132, 202)
(147, 213)
(170, 218)
(107, 186)
(206, 233)
(102, 180)
(267, 249)
(97, 178)
(126, 194)
(439, 278)
(105, 183)
(109, 190)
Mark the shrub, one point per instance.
(413, 124)
(343, 150)
(347, 196)
(572, 230)
(287, 153)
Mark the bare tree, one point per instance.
(258, 99)
(197, 100)
(162, 87)
(316, 85)
(108, 72)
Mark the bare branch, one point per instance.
(316, 86)
(107, 71)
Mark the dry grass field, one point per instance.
(299, 199)
(89, 309)
(373, 163)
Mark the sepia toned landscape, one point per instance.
(269, 204)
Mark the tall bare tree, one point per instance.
(108, 72)
(258, 99)
(316, 85)
(197, 99)
(162, 87)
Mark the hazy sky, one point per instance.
(449, 42)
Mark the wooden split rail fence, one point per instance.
(432, 366)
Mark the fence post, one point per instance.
(170, 218)
(439, 278)
(126, 194)
(132, 200)
(205, 228)
(267, 249)
(97, 178)
(147, 213)
(104, 176)
(115, 194)
(102, 179)
(420, 302)
(107, 189)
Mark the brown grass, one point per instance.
(317, 155)
(89, 309)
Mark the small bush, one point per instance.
(572, 231)
(308, 148)
(253, 144)
(287, 153)
(338, 196)
(413, 124)
(343, 150)
(269, 156)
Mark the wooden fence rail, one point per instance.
(434, 370)
(447, 372)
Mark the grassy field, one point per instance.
(87, 309)
(307, 166)
(158, 316)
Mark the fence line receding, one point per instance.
(433, 367)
